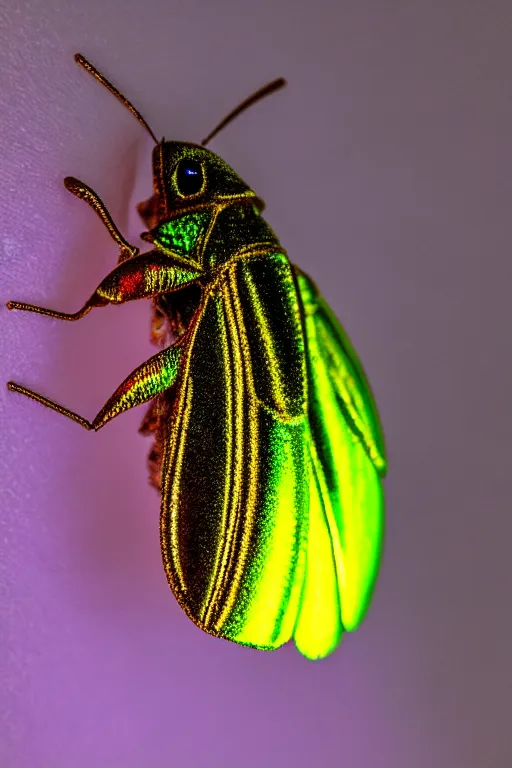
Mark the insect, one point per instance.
(267, 446)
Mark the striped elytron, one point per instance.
(268, 450)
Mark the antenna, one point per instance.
(103, 80)
(275, 85)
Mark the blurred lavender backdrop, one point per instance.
(386, 168)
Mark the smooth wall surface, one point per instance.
(386, 168)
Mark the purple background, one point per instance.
(386, 168)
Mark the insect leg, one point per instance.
(140, 277)
(19, 305)
(13, 387)
(148, 380)
(82, 191)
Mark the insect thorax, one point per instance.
(213, 235)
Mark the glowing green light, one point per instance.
(182, 234)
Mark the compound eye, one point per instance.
(189, 177)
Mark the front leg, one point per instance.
(140, 277)
(88, 195)
(148, 380)
(136, 277)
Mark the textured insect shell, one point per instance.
(235, 486)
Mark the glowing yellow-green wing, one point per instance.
(235, 479)
(330, 341)
(347, 462)
(318, 628)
